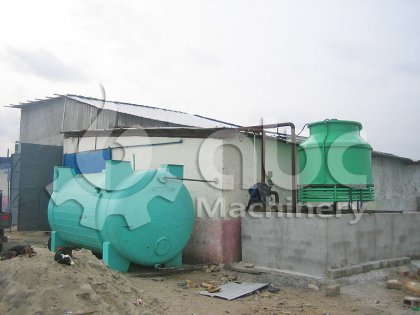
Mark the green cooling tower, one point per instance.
(142, 217)
(335, 163)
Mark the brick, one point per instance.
(406, 260)
(358, 269)
(332, 290)
(411, 301)
(367, 267)
(394, 284)
(403, 271)
(348, 272)
(335, 273)
(384, 264)
(376, 265)
(392, 263)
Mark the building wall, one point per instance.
(318, 246)
(242, 158)
(41, 124)
(397, 184)
(4, 175)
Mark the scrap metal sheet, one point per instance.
(233, 290)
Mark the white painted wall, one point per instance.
(242, 159)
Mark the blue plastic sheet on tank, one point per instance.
(88, 162)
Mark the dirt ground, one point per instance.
(39, 285)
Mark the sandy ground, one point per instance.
(39, 285)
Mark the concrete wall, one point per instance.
(315, 245)
(294, 244)
(376, 237)
(397, 184)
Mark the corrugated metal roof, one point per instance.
(396, 157)
(151, 112)
(155, 113)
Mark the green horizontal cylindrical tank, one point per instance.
(335, 163)
(142, 217)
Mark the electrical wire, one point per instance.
(302, 129)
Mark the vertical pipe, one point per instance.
(255, 160)
(324, 151)
(262, 156)
(260, 129)
(8, 179)
(9, 187)
(294, 190)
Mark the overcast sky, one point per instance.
(236, 61)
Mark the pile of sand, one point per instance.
(39, 285)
